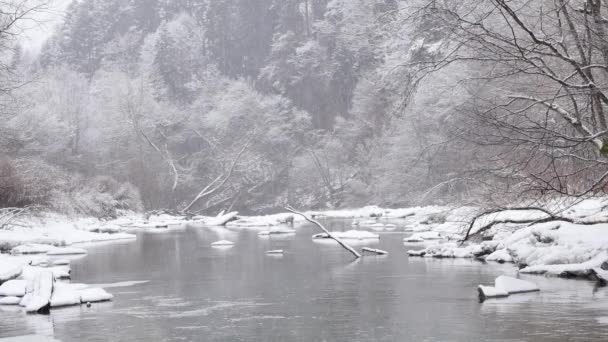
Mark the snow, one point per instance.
(56, 230)
(61, 262)
(41, 293)
(9, 268)
(505, 286)
(374, 251)
(277, 231)
(421, 237)
(501, 255)
(10, 300)
(66, 251)
(13, 288)
(222, 243)
(513, 285)
(65, 295)
(95, 294)
(221, 220)
(555, 248)
(276, 251)
(349, 235)
(577, 269)
(262, 221)
(491, 292)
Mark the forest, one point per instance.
(204, 105)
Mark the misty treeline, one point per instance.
(205, 105)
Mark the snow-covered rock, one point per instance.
(66, 251)
(349, 235)
(423, 236)
(9, 268)
(42, 290)
(277, 231)
(513, 285)
(61, 262)
(501, 255)
(95, 294)
(13, 288)
(491, 292)
(32, 248)
(262, 221)
(222, 243)
(65, 295)
(583, 269)
(10, 300)
(505, 286)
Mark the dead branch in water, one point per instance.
(315, 222)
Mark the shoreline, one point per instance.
(555, 248)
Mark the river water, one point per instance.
(314, 292)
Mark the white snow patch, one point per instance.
(95, 294)
(13, 288)
(349, 235)
(10, 300)
(501, 255)
(222, 243)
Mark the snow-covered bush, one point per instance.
(34, 182)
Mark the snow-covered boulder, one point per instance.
(9, 269)
(423, 236)
(10, 300)
(501, 255)
(262, 221)
(222, 243)
(349, 235)
(583, 269)
(13, 288)
(513, 285)
(505, 286)
(491, 292)
(277, 231)
(418, 253)
(66, 251)
(61, 262)
(65, 295)
(93, 295)
(32, 248)
(42, 290)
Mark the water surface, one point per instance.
(315, 292)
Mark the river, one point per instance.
(314, 292)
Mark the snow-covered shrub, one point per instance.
(34, 182)
(101, 196)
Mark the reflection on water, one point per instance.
(176, 287)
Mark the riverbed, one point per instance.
(313, 292)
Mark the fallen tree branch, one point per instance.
(315, 222)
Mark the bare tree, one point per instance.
(539, 71)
